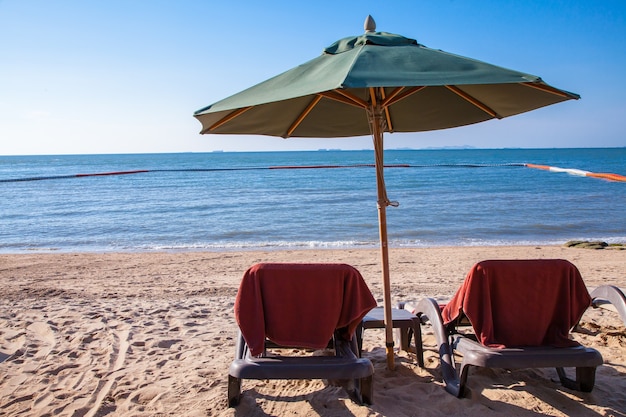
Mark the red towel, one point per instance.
(521, 302)
(300, 304)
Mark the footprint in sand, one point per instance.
(40, 340)
(11, 343)
(119, 354)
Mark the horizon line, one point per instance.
(430, 148)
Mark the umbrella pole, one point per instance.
(383, 202)
(382, 219)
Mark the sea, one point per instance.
(223, 201)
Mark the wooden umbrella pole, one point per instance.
(384, 251)
(377, 134)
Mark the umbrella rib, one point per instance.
(473, 101)
(386, 109)
(394, 98)
(549, 89)
(228, 118)
(303, 115)
(359, 102)
(340, 98)
(391, 96)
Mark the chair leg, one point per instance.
(416, 331)
(417, 337)
(367, 390)
(456, 387)
(360, 390)
(350, 386)
(585, 378)
(234, 391)
(405, 338)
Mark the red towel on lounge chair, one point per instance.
(300, 304)
(521, 302)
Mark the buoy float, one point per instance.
(580, 172)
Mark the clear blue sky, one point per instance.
(113, 76)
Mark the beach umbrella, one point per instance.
(374, 83)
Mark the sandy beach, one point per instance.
(153, 334)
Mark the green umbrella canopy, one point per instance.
(426, 89)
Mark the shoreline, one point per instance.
(607, 243)
(610, 244)
(143, 334)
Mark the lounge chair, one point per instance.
(610, 297)
(513, 314)
(307, 306)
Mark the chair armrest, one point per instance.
(610, 294)
(428, 311)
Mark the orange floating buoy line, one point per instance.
(581, 173)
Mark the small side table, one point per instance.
(403, 320)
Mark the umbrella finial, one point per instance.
(369, 25)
